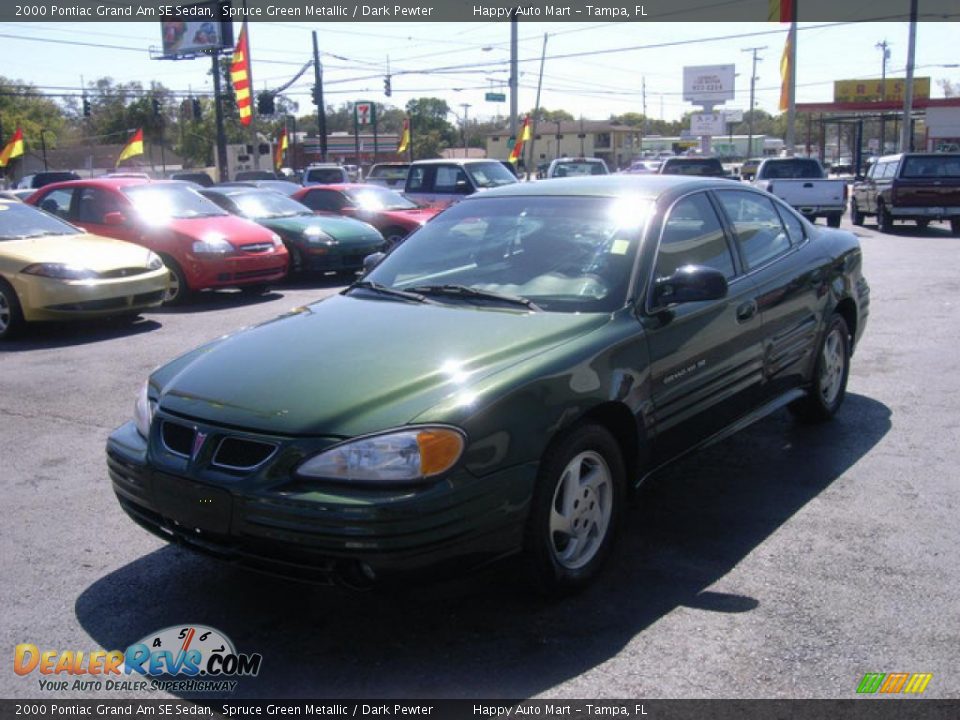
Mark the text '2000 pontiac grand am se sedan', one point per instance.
(498, 383)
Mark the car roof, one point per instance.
(455, 161)
(649, 186)
(109, 182)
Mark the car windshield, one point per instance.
(268, 204)
(931, 166)
(565, 254)
(159, 203)
(19, 221)
(578, 167)
(374, 198)
(488, 175)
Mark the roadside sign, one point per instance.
(708, 83)
(364, 112)
(495, 97)
(706, 124)
(732, 116)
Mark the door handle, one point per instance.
(746, 311)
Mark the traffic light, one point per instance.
(86, 107)
(156, 107)
(197, 109)
(387, 90)
(265, 104)
(315, 94)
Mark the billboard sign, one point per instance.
(891, 90)
(706, 124)
(364, 112)
(708, 83)
(200, 27)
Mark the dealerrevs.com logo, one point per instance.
(180, 658)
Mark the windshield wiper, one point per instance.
(470, 292)
(389, 291)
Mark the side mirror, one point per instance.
(371, 261)
(114, 218)
(690, 283)
(463, 188)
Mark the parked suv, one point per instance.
(325, 174)
(909, 186)
(444, 182)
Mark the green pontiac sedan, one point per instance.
(315, 243)
(498, 383)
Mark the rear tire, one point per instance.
(955, 226)
(575, 510)
(923, 224)
(884, 219)
(856, 217)
(834, 220)
(830, 375)
(11, 315)
(179, 292)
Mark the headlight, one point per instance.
(143, 411)
(60, 271)
(399, 456)
(315, 234)
(212, 245)
(154, 262)
(276, 240)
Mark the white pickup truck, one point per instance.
(802, 184)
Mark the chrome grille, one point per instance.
(123, 272)
(177, 438)
(257, 247)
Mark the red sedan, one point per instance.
(202, 245)
(387, 210)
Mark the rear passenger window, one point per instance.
(757, 226)
(692, 235)
(417, 180)
(792, 224)
(447, 179)
(322, 200)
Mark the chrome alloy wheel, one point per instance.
(5, 312)
(581, 510)
(173, 289)
(832, 366)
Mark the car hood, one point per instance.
(90, 251)
(235, 229)
(344, 230)
(349, 365)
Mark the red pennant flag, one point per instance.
(240, 76)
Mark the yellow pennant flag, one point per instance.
(132, 148)
(13, 149)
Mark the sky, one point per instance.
(606, 81)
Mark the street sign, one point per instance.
(364, 112)
(732, 116)
(495, 97)
(706, 124)
(708, 83)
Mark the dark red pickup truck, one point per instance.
(911, 186)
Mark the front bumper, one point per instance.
(49, 299)
(312, 534)
(337, 257)
(235, 270)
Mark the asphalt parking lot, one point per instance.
(785, 562)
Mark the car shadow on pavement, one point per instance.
(485, 635)
(51, 335)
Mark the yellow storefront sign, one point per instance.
(845, 91)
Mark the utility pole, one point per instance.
(791, 137)
(906, 127)
(531, 163)
(513, 74)
(753, 82)
(321, 110)
(885, 48)
(218, 114)
(466, 107)
(643, 125)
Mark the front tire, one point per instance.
(830, 374)
(11, 315)
(179, 292)
(923, 224)
(575, 509)
(955, 226)
(884, 219)
(856, 217)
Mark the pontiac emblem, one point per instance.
(197, 444)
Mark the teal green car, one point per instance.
(498, 383)
(315, 243)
